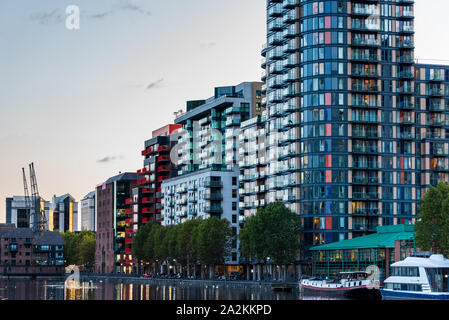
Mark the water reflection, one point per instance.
(136, 290)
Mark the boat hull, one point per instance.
(402, 295)
(362, 292)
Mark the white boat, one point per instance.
(348, 284)
(422, 276)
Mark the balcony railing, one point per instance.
(365, 180)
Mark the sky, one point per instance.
(81, 103)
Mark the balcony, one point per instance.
(357, 25)
(148, 210)
(365, 119)
(366, 165)
(365, 42)
(405, 90)
(366, 211)
(366, 134)
(364, 57)
(275, 11)
(163, 158)
(436, 122)
(407, 135)
(365, 180)
(406, 59)
(437, 107)
(364, 149)
(163, 149)
(213, 197)
(406, 105)
(407, 74)
(148, 200)
(148, 190)
(213, 209)
(361, 72)
(361, 87)
(406, 44)
(438, 92)
(213, 184)
(365, 195)
(407, 29)
(366, 11)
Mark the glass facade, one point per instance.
(355, 128)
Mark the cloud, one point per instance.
(46, 18)
(128, 6)
(110, 159)
(58, 15)
(100, 15)
(155, 84)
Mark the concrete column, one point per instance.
(258, 272)
(248, 273)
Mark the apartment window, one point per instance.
(234, 206)
(234, 218)
(234, 193)
(234, 181)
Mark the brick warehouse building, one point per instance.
(111, 222)
(25, 253)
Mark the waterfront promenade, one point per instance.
(167, 281)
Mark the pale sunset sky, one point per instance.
(81, 103)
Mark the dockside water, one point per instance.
(139, 289)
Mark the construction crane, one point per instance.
(39, 220)
(27, 197)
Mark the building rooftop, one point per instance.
(89, 195)
(384, 238)
(62, 198)
(46, 237)
(127, 176)
(50, 238)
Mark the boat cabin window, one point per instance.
(438, 279)
(403, 286)
(405, 271)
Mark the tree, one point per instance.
(281, 233)
(139, 241)
(187, 242)
(71, 245)
(432, 226)
(214, 241)
(79, 248)
(86, 253)
(274, 232)
(252, 240)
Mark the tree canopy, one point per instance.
(432, 226)
(274, 232)
(205, 241)
(79, 248)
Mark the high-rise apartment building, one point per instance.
(63, 214)
(207, 157)
(19, 214)
(145, 202)
(355, 128)
(111, 196)
(88, 213)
